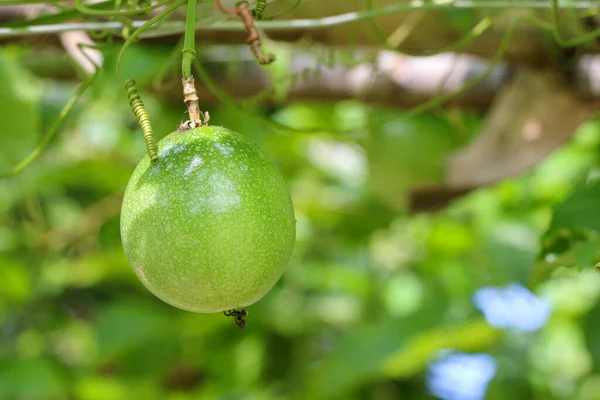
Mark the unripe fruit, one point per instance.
(211, 227)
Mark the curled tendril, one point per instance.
(139, 110)
(261, 6)
(257, 13)
(99, 35)
(127, 28)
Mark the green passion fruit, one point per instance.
(211, 226)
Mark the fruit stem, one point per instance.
(188, 50)
(190, 96)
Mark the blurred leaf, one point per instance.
(513, 248)
(462, 20)
(333, 278)
(451, 237)
(117, 388)
(140, 62)
(591, 327)
(561, 352)
(29, 379)
(92, 176)
(403, 294)
(279, 70)
(572, 293)
(420, 350)
(20, 116)
(86, 271)
(137, 335)
(307, 116)
(100, 388)
(358, 357)
(580, 209)
(15, 282)
(406, 153)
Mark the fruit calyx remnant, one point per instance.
(190, 98)
(239, 316)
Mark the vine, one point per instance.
(132, 10)
(120, 14)
(57, 23)
(190, 96)
(147, 25)
(64, 113)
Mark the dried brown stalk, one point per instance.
(190, 98)
(253, 40)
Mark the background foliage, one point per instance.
(495, 295)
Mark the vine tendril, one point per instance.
(139, 110)
(473, 33)
(431, 104)
(260, 17)
(163, 14)
(577, 41)
(52, 131)
(259, 9)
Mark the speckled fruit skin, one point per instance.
(211, 227)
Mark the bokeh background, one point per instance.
(491, 295)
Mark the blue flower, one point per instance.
(513, 307)
(458, 376)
